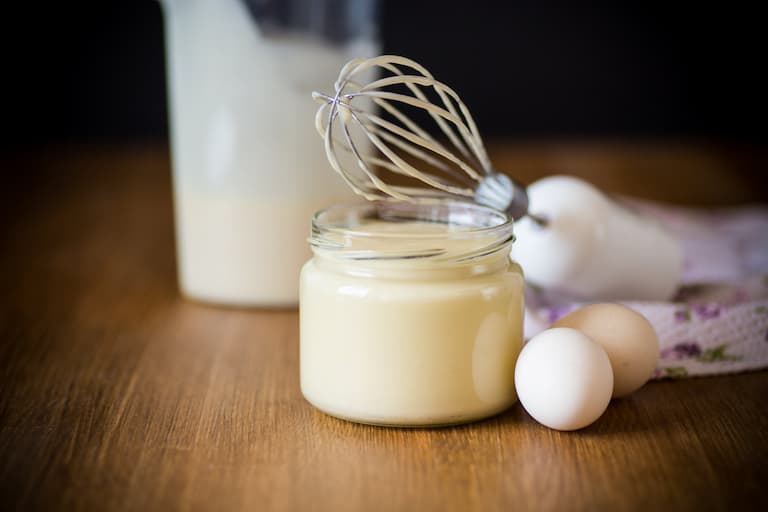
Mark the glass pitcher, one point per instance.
(249, 168)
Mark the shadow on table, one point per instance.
(641, 412)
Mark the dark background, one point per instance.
(95, 70)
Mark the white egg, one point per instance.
(626, 335)
(564, 379)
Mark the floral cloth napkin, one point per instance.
(718, 321)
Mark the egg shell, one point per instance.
(563, 379)
(628, 338)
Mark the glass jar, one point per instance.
(249, 168)
(411, 314)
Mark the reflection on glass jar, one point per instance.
(411, 314)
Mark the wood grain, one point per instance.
(116, 394)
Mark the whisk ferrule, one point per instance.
(501, 192)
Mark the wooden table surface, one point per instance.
(116, 394)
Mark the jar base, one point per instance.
(405, 423)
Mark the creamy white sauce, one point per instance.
(410, 341)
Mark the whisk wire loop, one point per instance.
(459, 166)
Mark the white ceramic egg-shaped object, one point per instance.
(593, 248)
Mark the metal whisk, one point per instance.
(459, 166)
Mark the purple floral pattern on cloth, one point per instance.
(683, 350)
(718, 321)
(706, 311)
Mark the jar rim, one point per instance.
(341, 229)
